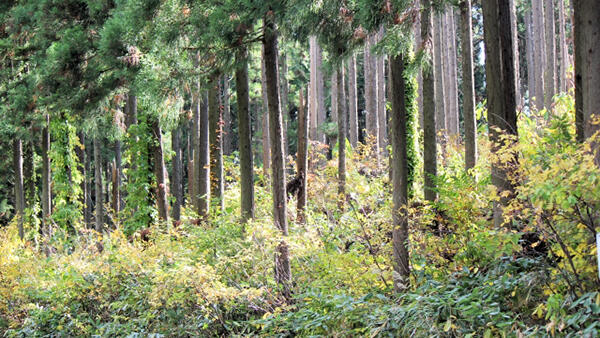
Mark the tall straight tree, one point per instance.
(227, 131)
(578, 45)
(265, 119)
(400, 174)
(381, 100)
(202, 167)
(99, 216)
(451, 89)
(352, 101)
(370, 75)
(302, 158)
(440, 87)
(550, 71)
(245, 134)
(587, 14)
(501, 87)
(468, 86)
(160, 171)
(216, 143)
(529, 41)
(46, 177)
(341, 108)
(562, 56)
(283, 274)
(537, 8)
(429, 95)
(177, 183)
(19, 190)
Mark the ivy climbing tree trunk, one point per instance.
(282, 260)
(429, 95)
(216, 144)
(400, 175)
(302, 159)
(468, 87)
(501, 87)
(245, 134)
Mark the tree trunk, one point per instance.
(194, 181)
(501, 87)
(177, 183)
(283, 99)
(202, 167)
(227, 131)
(302, 159)
(341, 108)
(381, 100)
(282, 260)
(579, 51)
(29, 174)
(313, 105)
(265, 120)
(334, 97)
(116, 197)
(191, 173)
(537, 8)
(440, 87)
(216, 144)
(46, 177)
(19, 191)
(531, 75)
(98, 185)
(550, 71)
(468, 87)
(429, 95)
(417, 46)
(370, 76)
(160, 171)
(514, 24)
(88, 205)
(562, 48)
(245, 134)
(588, 12)
(400, 175)
(353, 103)
(451, 71)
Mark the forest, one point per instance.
(310, 168)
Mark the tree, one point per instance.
(341, 108)
(302, 158)
(352, 101)
(562, 56)
(440, 85)
(550, 71)
(468, 87)
(160, 171)
(501, 87)
(177, 183)
(429, 107)
(99, 216)
(537, 8)
(202, 167)
(370, 74)
(216, 143)
(245, 134)
(19, 193)
(266, 145)
(283, 274)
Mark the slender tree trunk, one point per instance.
(216, 145)
(29, 174)
(334, 97)
(550, 72)
(562, 48)
(46, 176)
(81, 167)
(579, 51)
(537, 8)
(265, 121)
(313, 105)
(99, 187)
(19, 191)
(417, 46)
(227, 131)
(116, 197)
(371, 95)
(468, 87)
(452, 69)
(302, 160)
(341, 108)
(440, 87)
(282, 259)
(202, 167)
(160, 171)
(245, 134)
(194, 182)
(191, 173)
(353, 103)
(400, 175)
(501, 87)
(381, 100)
(177, 173)
(514, 24)
(429, 95)
(88, 205)
(531, 75)
(321, 109)
(285, 90)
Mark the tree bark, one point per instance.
(579, 51)
(381, 100)
(99, 216)
(501, 87)
(562, 48)
(550, 71)
(177, 184)
(451, 71)
(341, 108)
(282, 260)
(160, 171)
(29, 174)
(245, 134)
(537, 8)
(194, 181)
(429, 95)
(265, 120)
(46, 176)
(227, 131)
(88, 205)
(302, 158)
(400, 175)
(353, 103)
(531, 75)
(283, 99)
(468, 87)
(216, 144)
(313, 105)
(370, 75)
(440, 87)
(116, 192)
(19, 191)
(202, 167)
